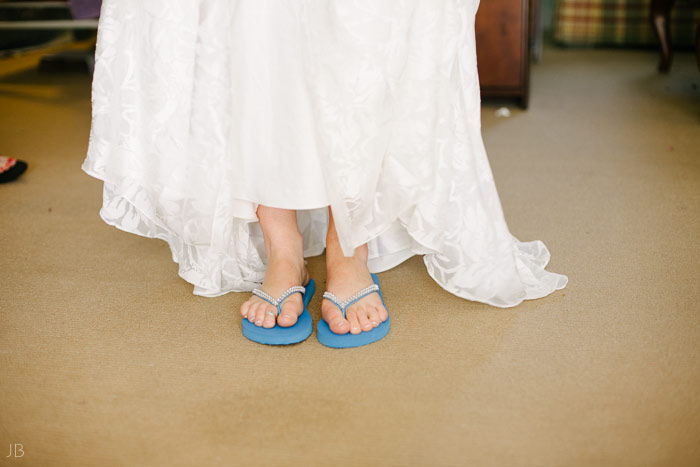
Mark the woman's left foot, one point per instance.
(345, 277)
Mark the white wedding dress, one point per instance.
(203, 109)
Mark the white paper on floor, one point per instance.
(503, 112)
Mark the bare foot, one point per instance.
(286, 268)
(346, 276)
(281, 274)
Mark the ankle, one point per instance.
(284, 271)
(289, 246)
(287, 258)
(334, 253)
(335, 257)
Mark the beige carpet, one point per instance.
(108, 359)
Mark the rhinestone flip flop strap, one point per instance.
(278, 301)
(343, 304)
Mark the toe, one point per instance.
(252, 311)
(269, 317)
(355, 327)
(383, 314)
(374, 316)
(244, 309)
(336, 322)
(290, 314)
(363, 317)
(260, 314)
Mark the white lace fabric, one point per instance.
(203, 109)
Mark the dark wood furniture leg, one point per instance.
(660, 18)
(697, 44)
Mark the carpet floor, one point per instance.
(108, 359)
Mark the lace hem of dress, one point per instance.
(240, 267)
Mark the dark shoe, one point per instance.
(15, 169)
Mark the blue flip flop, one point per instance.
(341, 341)
(279, 335)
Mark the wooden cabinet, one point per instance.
(502, 48)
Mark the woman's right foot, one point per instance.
(284, 247)
(282, 273)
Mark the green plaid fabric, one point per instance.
(619, 22)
